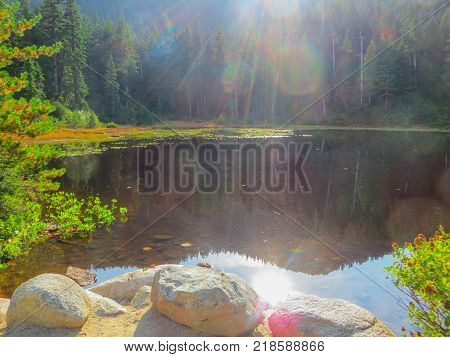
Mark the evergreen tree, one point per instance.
(370, 70)
(18, 113)
(386, 80)
(218, 67)
(446, 74)
(31, 67)
(25, 10)
(75, 89)
(51, 28)
(112, 87)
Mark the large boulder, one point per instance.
(49, 300)
(312, 316)
(207, 300)
(124, 287)
(102, 306)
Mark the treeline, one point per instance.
(267, 71)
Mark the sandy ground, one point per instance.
(139, 323)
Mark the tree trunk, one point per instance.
(55, 73)
(334, 52)
(361, 38)
(236, 102)
(415, 69)
(324, 107)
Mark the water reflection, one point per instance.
(274, 283)
(368, 190)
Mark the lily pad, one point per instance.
(162, 236)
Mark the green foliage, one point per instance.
(28, 202)
(111, 125)
(18, 113)
(421, 270)
(40, 127)
(112, 86)
(72, 216)
(76, 119)
(74, 54)
(21, 180)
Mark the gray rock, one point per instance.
(4, 303)
(82, 276)
(143, 298)
(123, 288)
(312, 316)
(103, 306)
(49, 300)
(206, 300)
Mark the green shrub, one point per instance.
(111, 125)
(421, 271)
(76, 119)
(40, 127)
(20, 215)
(71, 216)
(29, 204)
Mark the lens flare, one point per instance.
(300, 70)
(237, 77)
(280, 8)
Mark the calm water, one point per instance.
(368, 190)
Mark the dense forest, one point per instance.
(384, 61)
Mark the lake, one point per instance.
(366, 189)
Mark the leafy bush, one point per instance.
(40, 127)
(20, 215)
(72, 216)
(111, 125)
(421, 271)
(76, 119)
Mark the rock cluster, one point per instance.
(172, 300)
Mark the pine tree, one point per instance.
(386, 80)
(25, 10)
(31, 67)
(51, 27)
(218, 67)
(370, 70)
(74, 86)
(446, 74)
(123, 48)
(16, 113)
(112, 86)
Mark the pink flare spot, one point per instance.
(285, 324)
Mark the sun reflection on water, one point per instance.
(273, 286)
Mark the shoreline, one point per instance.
(183, 128)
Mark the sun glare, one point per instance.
(273, 286)
(280, 8)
